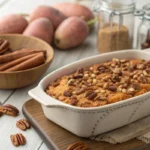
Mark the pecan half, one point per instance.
(80, 91)
(67, 93)
(112, 88)
(77, 76)
(9, 110)
(78, 146)
(4, 46)
(23, 124)
(91, 95)
(18, 139)
(74, 101)
(102, 69)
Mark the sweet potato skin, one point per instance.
(41, 28)
(71, 33)
(12, 23)
(73, 9)
(49, 12)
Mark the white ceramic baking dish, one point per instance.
(86, 122)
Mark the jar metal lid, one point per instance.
(146, 9)
(116, 6)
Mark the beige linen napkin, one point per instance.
(139, 129)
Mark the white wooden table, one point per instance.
(18, 97)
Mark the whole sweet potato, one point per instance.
(71, 33)
(49, 12)
(12, 23)
(41, 28)
(73, 9)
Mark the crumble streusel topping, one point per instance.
(103, 83)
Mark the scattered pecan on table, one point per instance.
(18, 139)
(78, 146)
(9, 110)
(23, 124)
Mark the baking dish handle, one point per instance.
(40, 96)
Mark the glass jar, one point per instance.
(115, 24)
(143, 38)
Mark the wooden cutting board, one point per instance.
(57, 138)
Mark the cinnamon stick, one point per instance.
(4, 46)
(33, 50)
(30, 63)
(16, 62)
(18, 54)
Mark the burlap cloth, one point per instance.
(139, 129)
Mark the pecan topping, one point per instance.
(142, 79)
(92, 86)
(117, 71)
(74, 101)
(140, 66)
(18, 139)
(112, 88)
(77, 146)
(67, 93)
(132, 68)
(91, 95)
(71, 82)
(4, 46)
(80, 91)
(77, 76)
(148, 71)
(124, 60)
(115, 78)
(23, 124)
(101, 68)
(55, 84)
(135, 86)
(9, 110)
(101, 98)
(80, 71)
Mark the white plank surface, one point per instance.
(43, 147)
(20, 96)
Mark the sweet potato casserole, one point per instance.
(103, 83)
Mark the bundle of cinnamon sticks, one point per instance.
(19, 60)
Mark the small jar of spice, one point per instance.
(115, 24)
(143, 38)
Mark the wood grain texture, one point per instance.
(51, 132)
(18, 79)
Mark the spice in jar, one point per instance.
(115, 37)
(146, 44)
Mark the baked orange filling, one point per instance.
(103, 83)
